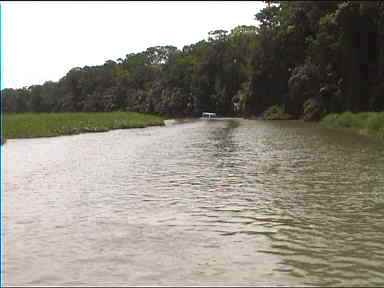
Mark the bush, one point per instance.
(366, 122)
(276, 112)
(303, 84)
(313, 110)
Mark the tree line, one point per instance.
(308, 57)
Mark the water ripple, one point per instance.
(231, 202)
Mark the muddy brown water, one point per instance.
(224, 202)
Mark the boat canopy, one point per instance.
(208, 115)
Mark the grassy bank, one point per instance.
(368, 123)
(29, 125)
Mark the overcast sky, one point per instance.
(44, 40)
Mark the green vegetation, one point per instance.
(276, 113)
(370, 123)
(310, 57)
(27, 125)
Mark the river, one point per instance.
(226, 202)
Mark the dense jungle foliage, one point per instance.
(307, 58)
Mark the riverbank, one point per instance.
(31, 125)
(367, 123)
(275, 112)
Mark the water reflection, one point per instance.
(226, 202)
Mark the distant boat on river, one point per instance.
(208, 116)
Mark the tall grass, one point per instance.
(371, 123)
(28, 125)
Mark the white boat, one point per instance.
(208, 115)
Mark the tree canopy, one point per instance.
(330, 52)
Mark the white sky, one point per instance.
(44, 40)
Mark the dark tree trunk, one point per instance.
(351, 71)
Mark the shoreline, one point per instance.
(369, 124)
(65, 124)
(39, 125)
